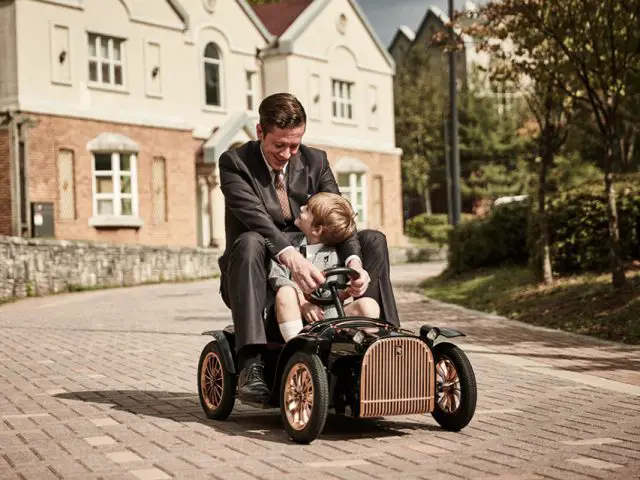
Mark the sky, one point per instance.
(387, 15)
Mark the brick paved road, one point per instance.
(103, 385)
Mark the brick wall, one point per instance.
(40, 267)
(178, 148)
(388, 167)
(5, 182)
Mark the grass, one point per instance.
(585, 303)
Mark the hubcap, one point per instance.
(298, 396)
(211, 380)
(448, 386)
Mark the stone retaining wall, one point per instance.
(33, 267)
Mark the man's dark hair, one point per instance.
(281, 110)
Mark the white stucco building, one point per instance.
(113, 113)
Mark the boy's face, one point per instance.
(305, 223)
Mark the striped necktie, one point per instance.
(281, 191)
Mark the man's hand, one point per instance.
(311, 312)
(358, 286)
(303, 272)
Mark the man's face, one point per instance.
(280, 145)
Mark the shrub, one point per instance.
(579, 228)
(499, 238)
(434, 228)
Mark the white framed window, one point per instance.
(250, 85)
(212, 75)
(115, 184)
(342, 99)
(353, 187)
(106, 60)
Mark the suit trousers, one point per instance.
(245, 290)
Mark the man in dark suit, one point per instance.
(265, 183)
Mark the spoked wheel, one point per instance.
(216, 386)
(456, 392)
(304, 397)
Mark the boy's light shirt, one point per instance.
(313, 249)
(284, 171)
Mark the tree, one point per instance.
(419, 115)
(523, 57)
(598, 42)
(491, 147)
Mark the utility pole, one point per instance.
(454, 154)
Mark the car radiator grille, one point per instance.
(397, 378)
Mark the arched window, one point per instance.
(212, 75)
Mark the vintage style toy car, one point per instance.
(358, 366)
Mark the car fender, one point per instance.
(310, 344)
(445, 332)
(221, 338)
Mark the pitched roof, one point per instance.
(277, 17)
(410, 34)
(306, 16)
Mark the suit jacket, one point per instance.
(326, 257)
(251, 203)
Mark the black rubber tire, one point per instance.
(460, 418)
(320, 407)
(224, 406)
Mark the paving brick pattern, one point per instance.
(103, 385)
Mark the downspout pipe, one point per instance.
(18, 125)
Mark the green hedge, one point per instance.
(434, 228)
(579, 228)
(499, 238)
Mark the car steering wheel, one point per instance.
(331, 287)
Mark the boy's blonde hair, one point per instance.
(334, 214)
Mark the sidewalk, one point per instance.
(102, 385)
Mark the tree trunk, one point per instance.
(618, 277)
(543, 224)
(427, 201)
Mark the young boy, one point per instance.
(325, 221)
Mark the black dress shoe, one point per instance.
(251, 384)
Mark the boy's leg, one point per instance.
(363, 307)
(288, 312)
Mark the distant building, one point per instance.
(114, 113)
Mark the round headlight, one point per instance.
(433, 333)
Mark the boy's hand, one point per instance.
(311, 312)
(303, 272)
(358, 286)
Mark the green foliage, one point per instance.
(493, 180)
(491, 147)
(434, 228)
(499, 238)
(572, 171)
(419, 104)
(579, 231)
